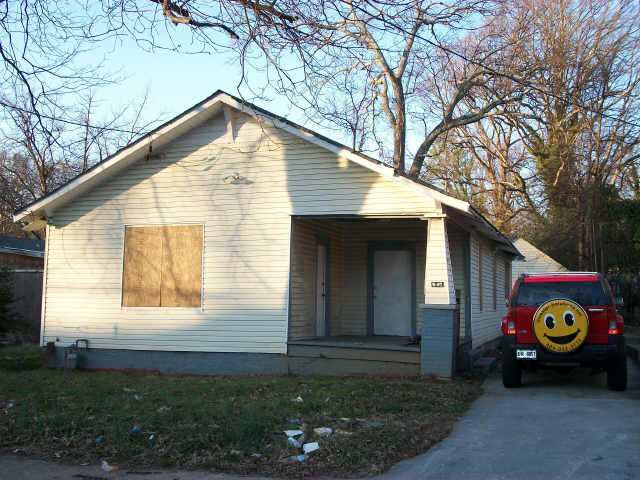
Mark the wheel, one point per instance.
(511, 371)
(617, 373)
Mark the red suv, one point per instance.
(563, 319)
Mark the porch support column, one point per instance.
(438, 274)
(439, 316)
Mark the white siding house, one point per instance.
(534, 261)
(262, 198)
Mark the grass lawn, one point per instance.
(229, 424)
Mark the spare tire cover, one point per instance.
(560, 325)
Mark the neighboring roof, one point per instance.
(22, 246)
(535, 260)
(142, 147)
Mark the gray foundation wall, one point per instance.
(197, 363)
(439, 341)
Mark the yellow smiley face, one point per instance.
(560, 325)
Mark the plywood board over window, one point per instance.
(162, 266)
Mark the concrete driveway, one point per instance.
(555, 427)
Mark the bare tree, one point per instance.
(486, 163)
(580, 121)
(381, 46)
(42, 151)
(312, 48)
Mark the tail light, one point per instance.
(613, 328)
(508, 326)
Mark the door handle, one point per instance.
(595, 309)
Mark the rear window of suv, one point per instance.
(584, 293)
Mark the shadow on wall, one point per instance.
(242, 187)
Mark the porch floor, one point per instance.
(374, 342)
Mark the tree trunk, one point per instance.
(581, 233)
(421, 154)
(399, 129)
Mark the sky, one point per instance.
(176, 81)
(173, 81)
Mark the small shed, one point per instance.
(24, 259)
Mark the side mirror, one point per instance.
(619, 303)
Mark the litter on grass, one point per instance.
(98, 439)
(128, 390)
(299, 458)
(293, 433)
(137, 397)
(323, 431)
(108, 468)
(310, 447)
(151, 436)
(135, 429)
(298, 399)
(293, 442)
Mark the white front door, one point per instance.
(321, 291)
(392, 296)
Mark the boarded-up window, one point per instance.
(162, 266)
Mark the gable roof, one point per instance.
(36, 213)
(533, 255)
(22, 246)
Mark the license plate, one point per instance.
(526, 354)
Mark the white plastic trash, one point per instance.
(293, 433)
(310, 447)
(323, 431)
(293, 442)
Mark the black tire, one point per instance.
(511, 371)
(617, 373)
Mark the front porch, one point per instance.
(357, 291)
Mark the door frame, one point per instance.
(322, 240)
(372, 247)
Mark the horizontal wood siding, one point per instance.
(357, 237)
(485, 323)
(458, 251)
(303, 275)
(244, 193)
